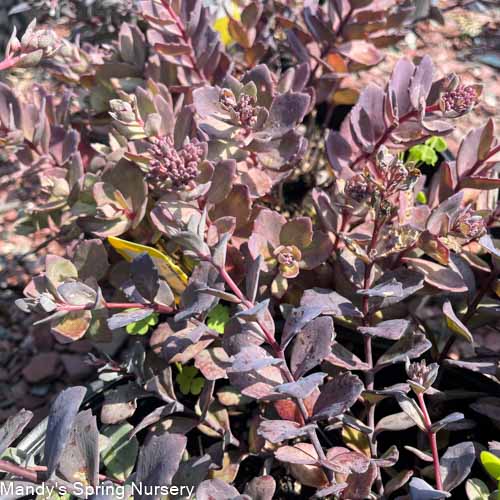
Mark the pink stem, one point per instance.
(180, 26)
(9, 62)
(432, 440)
(118, 305)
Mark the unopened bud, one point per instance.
(420, 376)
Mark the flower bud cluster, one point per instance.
(33, 46)
(420, 376)
(244, 110)
(288, 257)
(459, 100)
(398, 175)
(469, 225)
(171, 168)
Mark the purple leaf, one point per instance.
(61, 418)
(13, 428)
(277, 431)
(159, 460)
(330, 302)
(312, 345)
(337, 396)
(303, 387)
(296, 320)
(392, 329)
(410, 346)
(212, 489)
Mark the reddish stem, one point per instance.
(278, 351)
(9, 62)
(432, 440)
(180, 26)
(118, 305)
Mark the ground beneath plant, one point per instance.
(34, 368)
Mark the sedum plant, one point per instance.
(268, 349)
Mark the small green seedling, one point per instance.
(428, 152)
(218, 317)
(492, 465)
(189, 382)
(142, 326)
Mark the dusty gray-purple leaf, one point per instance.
(277, 431)
(193, 471)
(212, 489)
(261, 488)
(77, 294)
(145, 276)
(421, 490)
(296, 320)
(159, 460)
(393, 287)
(334, 489)
(194, 303)
(119, 320)
(411, 408)
(410, 346)
(120, 404)
(252, 278)
(255, 313)
(13, 428)
(330, 303)
(387, 459)
(446, 421)
(337, 396)
(80, 458)
(342, 357)
(488, 406)
(395, 422)
(91, 259)
(252, 358)
(302, 387)
(456, 464)
(180, 342)
(426, 457)
(487, 243)
(61, 418)
(392, 329)
(312, 345)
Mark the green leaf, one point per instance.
(476, 490)
(218, 317)
(421, 198)
(142, 326)
(438, 144)
(424, 154)
(491, 463)
(189, 382)
(120, 454)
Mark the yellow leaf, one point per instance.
(346, 96)
(491, 463)
(221, 24)
(167, 267)
(356, 440)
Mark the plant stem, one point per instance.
(367, 340)
(117, 305)
(9, 62)
(432, 440)
(180, 26)
(279, 353)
